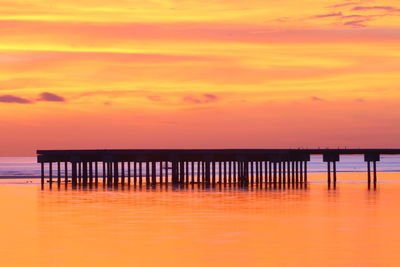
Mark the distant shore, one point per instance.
(19, 177)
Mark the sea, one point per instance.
(350, 225)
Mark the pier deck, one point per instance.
(206, 167)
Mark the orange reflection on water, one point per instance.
(350, 226)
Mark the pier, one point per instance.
(273, 168)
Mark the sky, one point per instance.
(79, 74)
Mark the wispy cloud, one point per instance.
(360, 23)
(329, 15)
(317, 99)
(385, 8)
(344, 4)
(201, 99)
(14, 99)
(344, 12)
(45, 96)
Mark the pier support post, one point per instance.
(58, 173)
(334, 172)
(305, 172)
(90, 173)
(147, 173)
(329, 173)
(175, 178)
(375, 178)
(265, 173)
(84, 174)
(192, 172)
(129, 173)
(74, 174)
(116, 173)
(161, 172)
(122, 173)
(301, 172)
(293, 173)
(251, 172)
(187, 173)
(66, 173)
(166, 172)
(134, 173)
(275, 175)
(372, 158)
(270, 176)
(42, 174)
(109, 173)
(257, 173)
(213, 173)
(207, 169)
(181, 172)
(288, 173)
(331, 157)
(280, 173)
(235, 172)
(153, 173)
(140, 173)
(50, 174)
(80, 173)
(225, 173)
(246, 173)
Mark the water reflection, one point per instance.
(192, 226)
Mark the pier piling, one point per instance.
(271, 168)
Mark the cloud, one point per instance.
(155, 98)
(211, 97)
(344, 4)
(45, 96)
(109, 34)
(385, 8)
(201, 99)
(356, 16)
(14, 99)
(356, 23)
(315, 98)
(329, 15)
(356, 20)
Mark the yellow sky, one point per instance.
(289, 73)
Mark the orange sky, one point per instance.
(198, 74)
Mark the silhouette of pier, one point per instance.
(274, 168)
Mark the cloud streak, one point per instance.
(344, 4)
(316, 99)
(201, 99)
(367, 8)
(329, 15)
(357, 20)
(108, 35)
(14, 99)
(45, 96)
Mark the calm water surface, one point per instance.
(350, 226)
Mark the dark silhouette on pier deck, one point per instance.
(274, 168)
